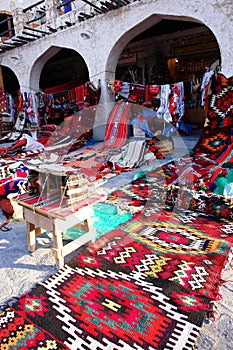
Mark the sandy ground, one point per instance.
(20, 270)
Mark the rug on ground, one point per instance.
(149, 284)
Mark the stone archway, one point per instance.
(38, 66)
(175, 51)
(66, 67)
(128, 36)
(125, 34)
(142, 31)
(8, 80)
(57, 62)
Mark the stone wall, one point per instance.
(101, 39)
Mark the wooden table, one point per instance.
(38, 219)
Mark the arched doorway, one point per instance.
(9, 83)
(63, 76)
(9, 87)
(65, 67)
(172, 51)
(169, 51)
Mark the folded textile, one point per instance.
(31, 144)
(131, 156)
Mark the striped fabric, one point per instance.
(54, 204)
(48, 127)
(77, 188)
(30, 154)
(117, 128)
(73, 133)
(132, 156)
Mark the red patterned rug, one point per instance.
(213, 142)
(146, 285)
(219, 104)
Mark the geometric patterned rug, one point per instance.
(147, 285)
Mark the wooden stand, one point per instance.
(60, 215)
(37, 220)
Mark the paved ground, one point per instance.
(19, 269)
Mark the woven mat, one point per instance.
(146, 285)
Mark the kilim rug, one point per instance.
(146, 285)
(219, 104)
(213, 142)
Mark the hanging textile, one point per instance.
(219, 102)
(117, 127)
(163, 111)
(62, 87)
(167, 100)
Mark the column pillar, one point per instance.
(52, 12)
(20, 19)
(106, 103)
